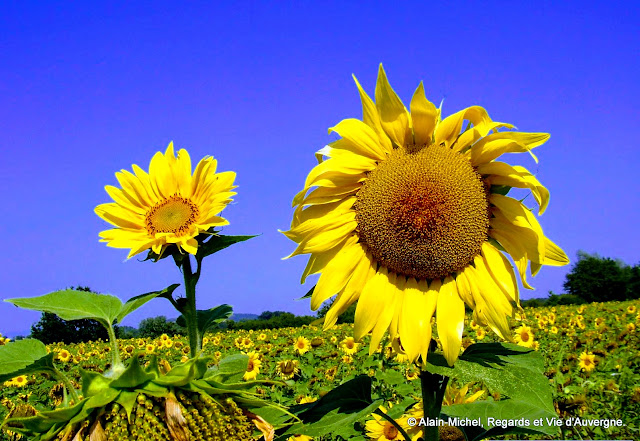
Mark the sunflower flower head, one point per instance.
(166, 206)
(407, 214)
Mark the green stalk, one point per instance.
(67, 384)
(190, 312)
(433, 387)
(116, 362)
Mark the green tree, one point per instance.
(52, 329)
(154, 327)
(599, 279)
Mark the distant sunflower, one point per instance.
(524, 336)
(287, 369)
(587, 361)
(64, 355)
(166, 206)
(20, 381)
(409, 217)
(349, 346)
(253, 367)
(301, 345)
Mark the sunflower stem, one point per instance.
(190, 312)
(67, 384)
(116, 361)
(433, 387)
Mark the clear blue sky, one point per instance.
(87, 90)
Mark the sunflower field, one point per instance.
(591, 354)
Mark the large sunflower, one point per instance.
(408, 215)
(166, 206)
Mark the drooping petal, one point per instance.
(494, 145)
(371, 303)
(450, 320)
(448, 130)
(363, 139)
(336, 274)
(504, 174)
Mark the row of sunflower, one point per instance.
(587, 350)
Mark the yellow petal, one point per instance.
(424, 116)
(336, 275)
(372, 119)
(182, 172)
(504, 174)
(317, 261)
(414, 322)
(501, 271)
(516, 250)
(474, 133)
(362, 138)
(464, 290)
(325, 240)
(386, 315)
(494, 145)
(450, 320)
(364, 271)
(553, 254)
(371, 303)
(394, 117)
(448, 129)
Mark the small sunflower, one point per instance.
(287, 369)
(169, 205)
(407, 215)
(253, 367)
(349, 346)
(524, 336)
(64, 355)
(380, 429)
(20, 381)
(587, 361)
(480, 333)
(301, 345)
(631, 309)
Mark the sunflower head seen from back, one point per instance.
(407, 215)
(167, 206)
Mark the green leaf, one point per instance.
(511, 370)
(208, 318)
(24, 357)
(230, 369)
(74, 305)
(337, 411)
(519, 411)
(184, 373)
(217, 243)
(135, 302)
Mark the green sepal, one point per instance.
(24, 357)
(154, 390)
(93, 383)
(184, 373)
(309, 293)
(133, 376)
(500, 189)
(127, 400)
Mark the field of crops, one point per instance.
(591, 352)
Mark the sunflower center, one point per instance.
(287, 367)
(390, 431)
(423, 212)
(173, 215)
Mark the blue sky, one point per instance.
(87, 90)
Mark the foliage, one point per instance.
(276, 320)
(601, 279)
(52, 329)
(154, 327)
